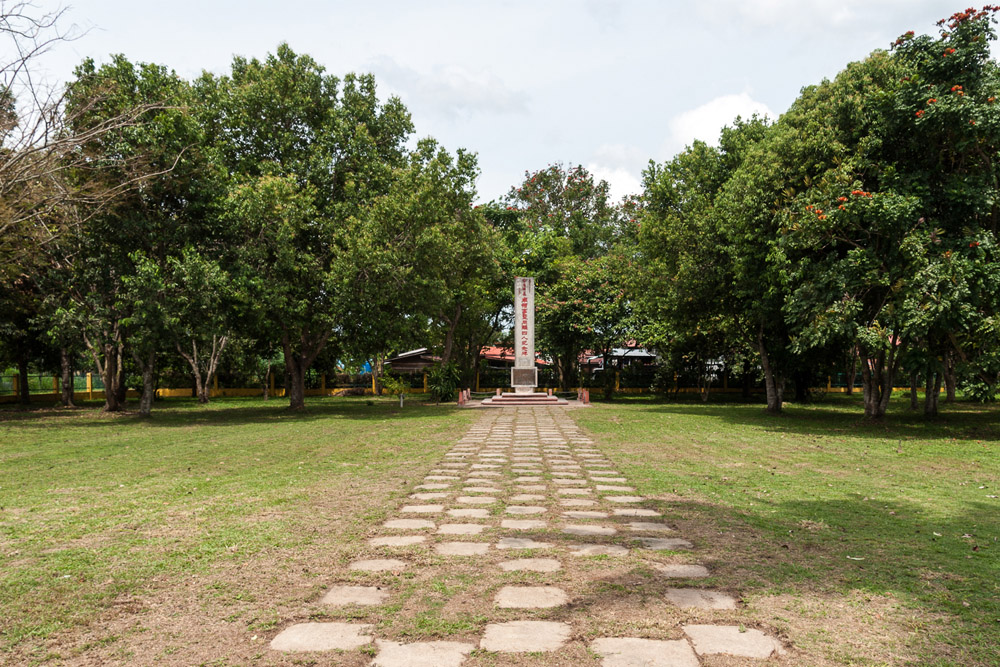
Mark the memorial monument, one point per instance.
(524, 374)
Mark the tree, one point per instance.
(560, 214)
(119, 257)
(309, 155)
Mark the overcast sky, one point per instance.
(606, 84)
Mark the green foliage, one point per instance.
(443, 381)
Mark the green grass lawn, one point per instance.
(899, 518)
(190, 537)
(98, 511)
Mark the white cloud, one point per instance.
(450, 90)
(621, 181)
(620, 165)
(706, 121)
(794, 13)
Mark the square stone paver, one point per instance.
(476, 500)
(681, 570)
(408, 524)
(322, 637)
(341, 596)
(524, 509)
(635, 511)
(576, 529)
(713, 639)
(422, 509)
(397, 540)
(523, 524)
(664, 543)
(531, 597)
(428, 496)
(521, 543)
(525, 636)
(577, 502)
(585, 514)
(421, 654)
(531, 565)
(649, 527)
(697, 598)
(462, 548)
(624, 499)
(598, 550)
(526, 497)
(469, 513)
(460, 529)
(629, 652)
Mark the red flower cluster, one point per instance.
(954, 88)
(841, 198)
(932, 100)
(974, 244)
(920, 113)
(861, 193)
(947, 52)
(970, 14)
(991, 100)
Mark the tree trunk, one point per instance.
(146, 365)
(914, 402)
(949, 377)
(22, 371)
(852, 373)
(121, 387)
(377, 370)
(449, 338)
(66, 373)
(773, 385)
(296, 386)
(111, 375)
(297, 363)
(877, 374)
(932, 389)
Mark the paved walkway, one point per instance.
(526, 494)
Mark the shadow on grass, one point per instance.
(944, 568)
(185, 412)
(839, 416)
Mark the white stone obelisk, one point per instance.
(524, 375)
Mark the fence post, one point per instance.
(55, 384)
(425, 383)
(829, 383)
(15, 383)
(618, 380)
(90, 386)
(374, 393)
(215, 385)
(322, 383)
(271, 380)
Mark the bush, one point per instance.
(443, 382)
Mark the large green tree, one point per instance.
(309, 155)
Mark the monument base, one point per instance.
(514, 399)
(524, 380)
